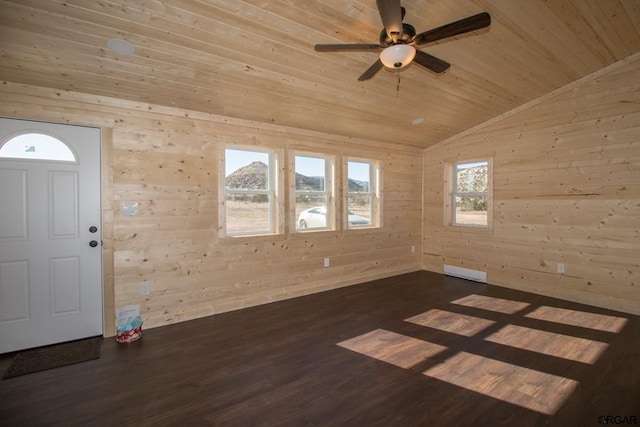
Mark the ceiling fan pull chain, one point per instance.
(398, 85)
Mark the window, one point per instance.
(36, 146)
(362, 194)
(250, 197)
(313, 191)
(471, 193)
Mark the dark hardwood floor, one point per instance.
(419, 349)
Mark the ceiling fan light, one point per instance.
(397, 56)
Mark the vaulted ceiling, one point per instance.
(255, 59)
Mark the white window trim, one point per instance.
(328, 192)
(271, 192)
(451, 217)
(375, 177)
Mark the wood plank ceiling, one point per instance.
(254, 59)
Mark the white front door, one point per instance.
(50, 234)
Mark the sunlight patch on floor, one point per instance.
(499, 305)
(396, 349)
(600, 322)
(447, 321)
(531, 389)
(549, 343)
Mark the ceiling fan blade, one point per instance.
(371, 71)
(346, 47)
(462, 26)
(391, 14)
(431, 62)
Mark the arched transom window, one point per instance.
(36, 146)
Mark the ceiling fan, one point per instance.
(398, 40)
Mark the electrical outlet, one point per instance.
(326, 262)
(145, 289)
(560, 268)
(413, 249)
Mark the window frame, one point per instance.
(375, 179)
(328, 193)
(272, 192)
(451, 194)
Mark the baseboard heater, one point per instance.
(466, 273)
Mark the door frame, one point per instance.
(108, 271)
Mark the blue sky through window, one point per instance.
(462, 166)
(310, 166)
(360, 171)
(236, 159)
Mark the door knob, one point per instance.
(93, 243)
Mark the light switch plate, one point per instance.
(130, 208)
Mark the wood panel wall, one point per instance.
(566, 189)
(166, 159)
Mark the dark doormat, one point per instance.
(54, 356)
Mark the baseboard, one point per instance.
(465, 273)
